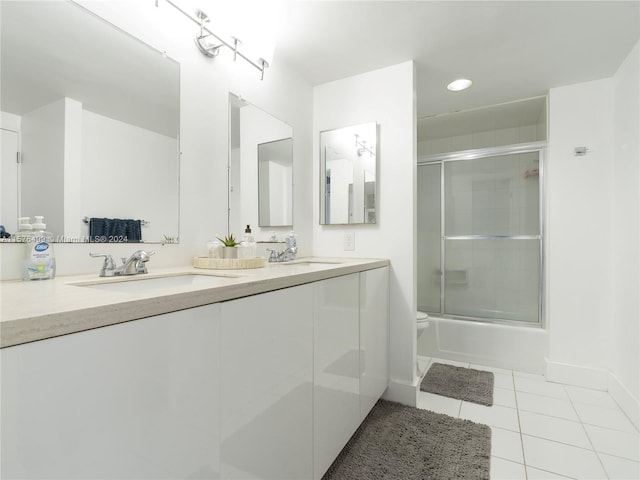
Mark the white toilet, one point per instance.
(422, 321)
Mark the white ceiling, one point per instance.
(510, 49)
(54, 49)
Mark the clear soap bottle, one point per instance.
(248, 243)
(40, 261)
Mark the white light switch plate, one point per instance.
(349, 240)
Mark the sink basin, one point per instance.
(142, 284)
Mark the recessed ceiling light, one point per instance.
(459, 84)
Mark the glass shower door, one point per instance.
(492, 239)
(479, 237)
(429, 238)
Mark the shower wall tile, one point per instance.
(507, 136)
(528, 133)
(484, 139)
(462, 142)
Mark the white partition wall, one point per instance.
(387, 97)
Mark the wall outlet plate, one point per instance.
(349, 240)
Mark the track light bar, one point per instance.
(210, 44)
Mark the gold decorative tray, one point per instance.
(228, 263)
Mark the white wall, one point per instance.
(137, 157)
(385, 96)
(9, 171)
(73, 142)
(204, 85)
(42, 167)
(579, 240)
(624, 352)
(594, 233)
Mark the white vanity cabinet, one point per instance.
(266, 385)
(336, 378)
(351, 345)
(133, 400)
(374, 337)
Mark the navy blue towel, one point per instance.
(115, 230)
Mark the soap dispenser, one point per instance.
(248, 244)
(24, 229)
(39, 261)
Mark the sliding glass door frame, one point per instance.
(442, 160)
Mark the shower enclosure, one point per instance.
(480, 236)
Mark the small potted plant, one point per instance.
(230, 244)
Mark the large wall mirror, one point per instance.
(260, 169)
(95, 114)
(348, 166)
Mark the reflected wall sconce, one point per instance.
(361, 147)
(210, 43)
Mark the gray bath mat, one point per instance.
(461, 383)
(399, 442)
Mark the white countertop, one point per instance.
(37, 310)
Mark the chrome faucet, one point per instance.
(287, 254)
(134, 265)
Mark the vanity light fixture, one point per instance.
(210, 43)
(459, 84)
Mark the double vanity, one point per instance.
(191, 373)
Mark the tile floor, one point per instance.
(543, 430)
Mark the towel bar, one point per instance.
(142, 222)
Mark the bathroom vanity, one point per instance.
(260, 373)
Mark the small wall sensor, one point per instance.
(580, 151)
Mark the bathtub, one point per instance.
(503, 346)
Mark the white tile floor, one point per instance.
(543, 430)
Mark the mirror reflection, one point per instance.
(97, 130)
(260, 168)
(275, 177)
(348, 162)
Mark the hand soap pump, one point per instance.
(249, 243)
(40, 261)
(24, 229)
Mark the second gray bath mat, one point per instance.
(461, 383)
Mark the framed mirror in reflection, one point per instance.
(260, 169)
(348, 175)
(275, 178)
(94, 113)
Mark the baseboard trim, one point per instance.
(401, 392)
(579, 376)
(623, 397)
